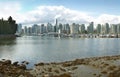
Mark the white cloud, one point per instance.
(112, 19)
(44, 14)
(9, 9)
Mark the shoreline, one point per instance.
(106, 66)
(8, 36)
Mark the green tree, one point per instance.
(8, 26)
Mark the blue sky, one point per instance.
(97, 6)
(92, 8)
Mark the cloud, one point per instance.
(50, 13)
(45, 14)
(9, 9)
(112, 19)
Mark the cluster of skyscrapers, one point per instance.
(70, 29)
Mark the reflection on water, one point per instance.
(49, 49)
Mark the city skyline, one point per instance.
(68, 11)
(74, 29)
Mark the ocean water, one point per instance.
(35, 49)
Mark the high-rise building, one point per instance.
(25, 30)
(66, 29)
(35, 29)
(42, 29)
(118, 28)
(90, 28)
(29, 30)
(19, 29)
(56, 26)
(38, 29)
(74, 28)
(113, 29)
(60, 28)
(49, 28)
(105, 29)
(82, 28)
(98, 29)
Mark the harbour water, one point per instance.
(36, 49)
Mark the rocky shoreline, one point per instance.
(9, 69)
(107, 66)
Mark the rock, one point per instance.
(15, 63)
(7, 62)
(73, 68)
(115, 73)
(56, 71)
(3, 59)
(66, 64)
(1, 75)
(64, 75)
(46, 75)
(22, 66)
(27, 74)
(104, 72)
(21, 76)
(111, 67)
(40, 64)
(49, 69)
(25, 62)
(62, 69)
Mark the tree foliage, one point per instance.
(8, 26)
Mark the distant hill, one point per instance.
(8, 27)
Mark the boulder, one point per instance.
(7, 62)
(15, 63)
(22, 66)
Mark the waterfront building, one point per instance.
(77, 28)
(74, 28)
(82, 28)
(60, 28)
(29, 30)
(35, 29)
(118, 28)
(66, 29)
(42, 28)
(55, 29)
(19, 29)
(38, 29)
(113, 29)
(90, 28)
(105, 29)
(98, 29)
(56, 26)
(25, 30)
(49, 28)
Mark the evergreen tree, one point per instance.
(8, 26)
